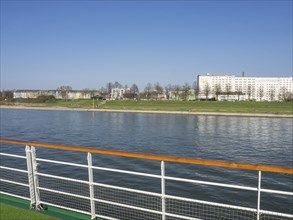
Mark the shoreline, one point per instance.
(151, 111)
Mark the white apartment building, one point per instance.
(230, 87)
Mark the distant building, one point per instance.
(117, 93)
(72, 94)
(123, 93)
(230, 87)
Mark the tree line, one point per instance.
(151, 91)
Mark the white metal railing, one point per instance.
(41, 188)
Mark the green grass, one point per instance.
(79, 103)
(10, 207)
(9, 212)
(189, 106)
(205, 106)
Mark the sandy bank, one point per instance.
(151, 111)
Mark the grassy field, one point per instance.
(80, 103)
(9, 212)
(203, 106)
(190, 106)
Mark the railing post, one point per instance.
(33, 181)
(258, 195)
(30, 175)
(38, 205)
(163, 189)
(91, 186)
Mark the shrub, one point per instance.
(46, 98)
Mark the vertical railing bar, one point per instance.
(91, 186)
(38, 205)
(30, 175)
(163, 190)
(258, 195)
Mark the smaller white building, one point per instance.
(118, 93)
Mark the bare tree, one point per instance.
(272, 94)
(249, 91)
(228, 90)
(86, 91)
(134, 90)
(147, 90)
(284, 94)
(186, 91)
(207, 90)
(109, 88)
(102, 90)
(290, 97)
(6, 95)
(168, 90)
(64, 90)
(261, 92)
(158, 88)
(117, 85)
(239, 92)
(218, 91)
(195, 88)
(176, 89)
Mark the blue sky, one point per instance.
(85, 44)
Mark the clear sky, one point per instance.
(85, 44)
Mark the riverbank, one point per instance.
(150, 111)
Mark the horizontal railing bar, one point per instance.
(64, 207)
(215, 163)
(13, 155)
(61, 162)
(76, 210)
(13, 169)
(276, 214)
(14, 195)
(144, 209)
(128, 206)
(212, 183)
(181, 216)
(210, 203)
(13, 182)
(106, 217)
(277, 192)
(62, 178)
(64, 193)
(128, 189)
(127, 172)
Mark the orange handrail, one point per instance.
(257, 167)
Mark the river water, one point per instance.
(253, 140)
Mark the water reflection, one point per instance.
(246, 139)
